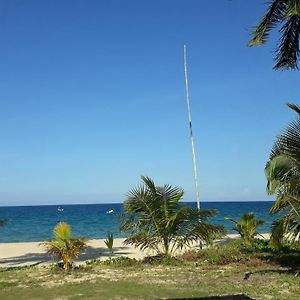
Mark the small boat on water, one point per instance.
(110, 211)
(60, 209)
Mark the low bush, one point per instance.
(261, 245)
(117, 261)
(162, 259)
(259, 252)
(225, 254)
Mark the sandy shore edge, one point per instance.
(31, 253)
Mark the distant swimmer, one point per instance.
(60, 209)
(110, 211)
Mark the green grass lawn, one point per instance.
(143, 281)
(231, 271)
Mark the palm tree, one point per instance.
(247, 226)
(286, 14)
(109, 242)
(65, 246)
(283, 175)
(155, 219)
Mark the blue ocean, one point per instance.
(94, 221)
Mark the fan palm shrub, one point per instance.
(109, 242)
(155, 219)
(283, 175)
(247, 226)
(65, 246)
(286, 14)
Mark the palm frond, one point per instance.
(288, 50)
(287, 14)
(283, 175)
(62, 231)
(294, 107)
(143, 241)
(278, 171)
(273, 16)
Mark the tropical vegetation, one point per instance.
(65, 246)
(154, 218)
(247, 226)
(286, 14)
(283, 175)
(109, 242)
(231, 271)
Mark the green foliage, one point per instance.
(109, 242)
(121, 261)
(288, 255)
(65, 246)
(162, 259)
(222, 255)
(259, 245)
(154, 219)
(283, 175)
(258, 253)
(285, 13)
(246, 226)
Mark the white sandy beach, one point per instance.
(23, 254)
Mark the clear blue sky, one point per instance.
(92, 96)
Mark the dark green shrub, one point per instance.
(262, 245)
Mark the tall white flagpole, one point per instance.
(191, 129)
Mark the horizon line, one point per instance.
(69, 204)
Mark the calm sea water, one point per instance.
(35, 223)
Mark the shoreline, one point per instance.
(33, 253)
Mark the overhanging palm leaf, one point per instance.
(273, 16)
(283, 175)
(154, 219)
(287, 14)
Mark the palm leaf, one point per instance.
(287, 14)
(273, 16)
(288, 50)
(283, 175)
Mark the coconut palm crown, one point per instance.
(247, 226)
(286, 14)
(283, 175)
(155, 219)
(65, 246)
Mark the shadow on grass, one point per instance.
(31, 259)
(289, 271)
(288, 260)
(228, 297)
